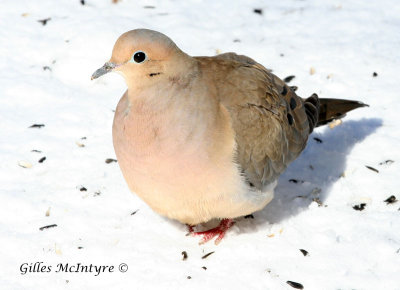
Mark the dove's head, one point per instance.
(143, 56)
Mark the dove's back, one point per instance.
(270, 121)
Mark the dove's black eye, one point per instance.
(139, 57)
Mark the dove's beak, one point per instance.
(106, 68)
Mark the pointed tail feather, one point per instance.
(331, 109)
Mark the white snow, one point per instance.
(343, 41)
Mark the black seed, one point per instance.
(42, 159)
(317, 139)
(83, 2)
(288, 79)
(46, 68)
(386, 162)
(206, 255)
(293, 103)
(204, 267)
(373, 169)
(290, 119)
(236, 40)
(109, 160)
(360, 206)
(304, 252)
(295, 285)
(249, 216)
(296, 181)
(133, 213)
(391, 199)
(44, 21)
(80, 248)
(37, 126)
(375, 74)
(184, 255)
(47, 227)
(36, 151)
(294, 88)
(83, 189)
(284, 91)
(149, 7)
(281, 55)
(189, 277)
(258, 11)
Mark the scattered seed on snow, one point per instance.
(42, 159)
(335, 123)
(47, 212)
(83, 188)
(36, 151)
(304, 252)
(360, 206)
(375, 74)
(133, 213)
(258, 11)
(44, 21)
(109, 160)
(25, 164)
(386, 162)
(204, 267)
(184, 255)
(292, 180)
(209, 254)
(80, 144)
(47, 227)
(391, 199)
(317, 139)
(371, 168)
(295, 285)
(36, 126)
(312, 70)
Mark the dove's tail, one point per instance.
(322, 111)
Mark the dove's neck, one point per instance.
(176, 111)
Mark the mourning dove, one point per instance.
(201, 138)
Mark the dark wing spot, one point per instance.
(290, 119)
(284, 91)
(293, 103)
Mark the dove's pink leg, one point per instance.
(219, 231)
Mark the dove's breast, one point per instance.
(183, 170)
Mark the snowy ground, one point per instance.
(45, 79)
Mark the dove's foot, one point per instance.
(219, 231)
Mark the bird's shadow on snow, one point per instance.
(315, 171)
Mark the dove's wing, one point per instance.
(270, 121)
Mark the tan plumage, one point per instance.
(199, 138)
